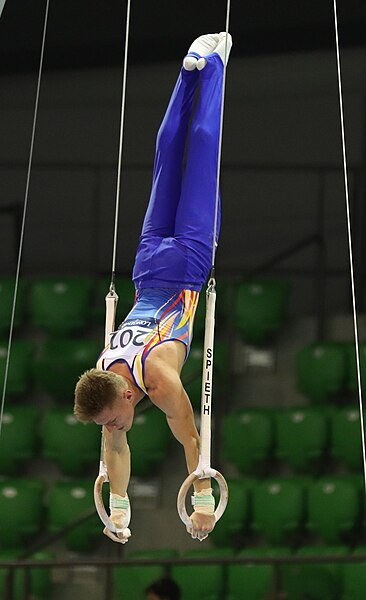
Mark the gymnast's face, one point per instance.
(118, 415)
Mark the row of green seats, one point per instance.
(322, 370)
(277, 511)
(252, 581)
(65, 304)
(305, 439)
(251, 439)
(73, 446)
(281, 509)
(54, 366)
(62, 304)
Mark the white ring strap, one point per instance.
(121, 139)
(112, 297)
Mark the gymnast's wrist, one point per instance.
(119, 507)
(203, 502)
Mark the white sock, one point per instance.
(220, 48)
(189, 63)
(203, 45)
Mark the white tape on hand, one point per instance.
(120, 513)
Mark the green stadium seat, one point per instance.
(333, 508)
(354, 578)
(253, 581)
(18, 438)
(149, 440)
(19, 380)
(201, 581)
(21, 511)
(125, 290)
(67, 501)
(247, 438)
(321, 370)
(346, 437)
(278, 509)
(7, 288)
(59, 364)
(131, 581)
(235, 519)
(301, 437)
(261, 309)
(318, 581)
(71, 444)
(61, 305)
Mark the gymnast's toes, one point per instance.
(201, 63)
(190, 63)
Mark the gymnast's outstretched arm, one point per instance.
(118, 460)
(167, 393)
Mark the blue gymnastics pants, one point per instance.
(175, 248)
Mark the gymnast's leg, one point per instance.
(160, 219)
(171, 143)
(170, 147)
(196, 210)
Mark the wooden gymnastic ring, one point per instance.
(99, 504)
(181, 500)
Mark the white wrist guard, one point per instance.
(120, 510)
(203, 502)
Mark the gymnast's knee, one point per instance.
(167, 134)
(205, 133)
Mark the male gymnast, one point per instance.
(174, 257)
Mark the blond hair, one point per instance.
(94, 391)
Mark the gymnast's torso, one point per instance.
(159, 315)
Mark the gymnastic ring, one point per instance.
(99, 504)
(181, 500)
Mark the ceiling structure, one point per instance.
(90, 33)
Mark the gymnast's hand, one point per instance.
(120, 517)
(202, 525)
(120, 538)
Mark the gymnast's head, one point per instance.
(105, 398)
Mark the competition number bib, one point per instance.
(130, 337)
